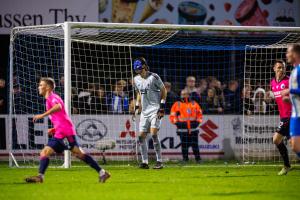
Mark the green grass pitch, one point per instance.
(208, 181)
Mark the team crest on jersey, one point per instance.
(282, 86)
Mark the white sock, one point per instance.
(157, 147)
(145, 161)
(41, 175)
(102, 172)
(144, 150)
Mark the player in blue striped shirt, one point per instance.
(293, 57)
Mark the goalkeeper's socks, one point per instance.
(145, 161)
(144, 149)
(91, 162)
(284, 154)
(157, 147)
(44, 162)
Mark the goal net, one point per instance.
(91, 64)
(261, 116)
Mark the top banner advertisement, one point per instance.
(201, 12)
(212, 12)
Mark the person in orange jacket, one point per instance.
(186, 114)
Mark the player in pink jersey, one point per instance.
(64, 132)
(62, 123)
(278, 84)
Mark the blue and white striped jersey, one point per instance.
(295, 91)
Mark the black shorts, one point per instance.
(284, 127)
(59, 145)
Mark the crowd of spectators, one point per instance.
(96, 100)
(214, 96)
(258, 99)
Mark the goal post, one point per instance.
(91, 64)
(67, 79)
(23, 147)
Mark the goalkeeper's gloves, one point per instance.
(136, 112)
(161, 111)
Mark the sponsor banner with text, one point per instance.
(213, 12)
(39, 12)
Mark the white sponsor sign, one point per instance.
(37, 12)
(219, 135)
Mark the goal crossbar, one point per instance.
(169, 27)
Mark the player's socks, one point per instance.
(102, 172)
(103, 176)
(42, 176)
(284, 154)
(91, 162)
(44, 162)
(144, 149)
(157, 147)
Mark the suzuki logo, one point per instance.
(208, 127)
(128, 131)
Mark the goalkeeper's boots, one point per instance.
(144, 166)
(158, 165)
(284, 171)
(34, 179)
(104, 177)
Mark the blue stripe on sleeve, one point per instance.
(296, 90)
(298, 76)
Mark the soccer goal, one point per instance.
(92, 66)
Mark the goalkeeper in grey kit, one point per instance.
(151, 97)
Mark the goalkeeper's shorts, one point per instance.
(59, 145)
(148, 122)
(284, 127)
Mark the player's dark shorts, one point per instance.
(59, 145)
(284, 127)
